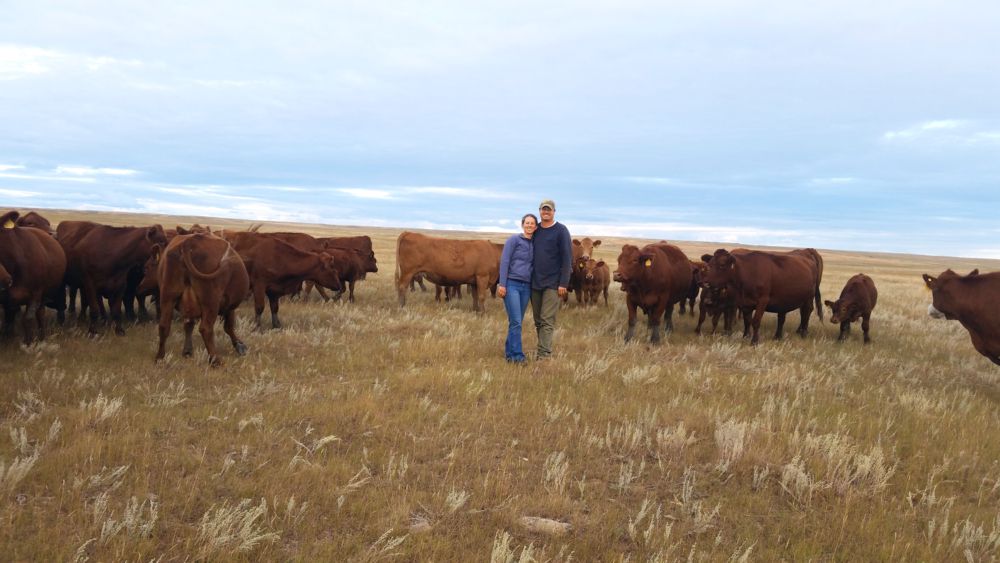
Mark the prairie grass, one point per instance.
(362, 432)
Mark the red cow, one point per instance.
(856, 302)
(32, 267)
(775, 282)
(653, 278)
(99, 262)
(595, 279)
(202, 276)
(974, 301)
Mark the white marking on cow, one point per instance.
(934, 313)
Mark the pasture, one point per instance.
(364, 432)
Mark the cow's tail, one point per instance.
(819, 279)
(186, 257)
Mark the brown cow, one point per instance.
(596, 277)
(277, 268)
(32, 267)
(775, 282)
(687, 304)
(582, 249)
(447, 262)
(654, 278)
(99, 262)
(711, 304)
(361, 243)
(349, 265)
(974, 301)
(202, 276)
(856, 302)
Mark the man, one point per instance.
(552, 264)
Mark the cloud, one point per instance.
(481, 193)
(688, 231)
(366, 193)
(46, 177)
(90, 171)
(6, 167)
(921, 129)
(956, 132)
(18, 193)
(656, 180)
(24, 61)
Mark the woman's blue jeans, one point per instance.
(516, 303)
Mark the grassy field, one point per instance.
(364, 432)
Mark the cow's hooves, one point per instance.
(187, 353)
(215, 363)
(241, 349)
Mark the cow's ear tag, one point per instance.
(649, 262)
(8, 224)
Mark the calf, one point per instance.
(582, 249)
(596, 277)
(856, 302)
(692, 296)
(712, 304)
(654, 278)
(32, 266)
(974, 301)
(204, 278)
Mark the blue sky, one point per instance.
(851, 125)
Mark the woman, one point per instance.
(515, 284)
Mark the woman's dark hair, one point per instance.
(532, 215)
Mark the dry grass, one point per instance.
(364, 432)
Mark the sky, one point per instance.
(866, 126)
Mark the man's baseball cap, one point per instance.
(547, 203)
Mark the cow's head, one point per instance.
(945, 292)
(719, 274)
(326, 274)
(591, 267)
(32, 219)
(843, 310)
(633, 264)
(156, 235)
(150, 277)
(9, 220)
(584, 248)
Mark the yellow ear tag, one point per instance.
(9, 224)
(649, 262)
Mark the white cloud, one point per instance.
(90, 171)
(18, 193)
(20, 61)
(45, 177)
(6, 167)
(989, 253)
(657, 180)
(481, 193)
(366, 193)
(688, 231)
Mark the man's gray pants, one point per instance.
(544, 306)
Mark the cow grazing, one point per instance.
(277, 268)
(100, 260)
(974, 301)
(774, 282)
(32, 267)
(856, 302)
(654, 278)
(447, 262)
(595, 279)
(204, 278)
(361, 243)
(583, 249)
(351, 269)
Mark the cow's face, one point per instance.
(944, 293)
(327, 274)
(150, 278)
(843, 310)
(35, 220)
(156, 235)
(720, 271)
(632, 264)
(591, 267)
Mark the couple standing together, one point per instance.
(535, 266)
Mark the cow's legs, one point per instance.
(437, 294)
(188, 350)
(668, 319)
(702, 313)
(140, 300)
(89, 297)
(207, 330)
(630, 332)
(350, 286)
(401, 284)
(272, 300)
(758, 315)
(9, 316)
(745, 311)
(605, 296)
(780, 330)
(26, 321)
(116, 313)
(230, 327)
(166, 319)
(865, 325)
(805, 312)
(479, 293)
(258, 303)
(319, 290)
(845, 329)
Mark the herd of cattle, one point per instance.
(204, 275)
